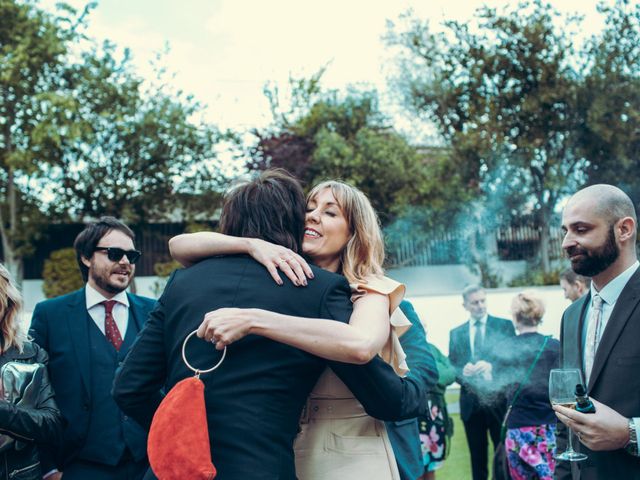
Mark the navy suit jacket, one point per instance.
(60, 326)
(614, 380)
(404, 434)
(471, 395)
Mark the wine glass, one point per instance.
(562, 386)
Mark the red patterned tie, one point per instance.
(110, 328)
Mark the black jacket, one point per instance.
(254, 399)
(614, 379)
(28, 426)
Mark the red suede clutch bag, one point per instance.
(178, 445)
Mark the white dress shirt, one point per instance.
(472, 331)
(96, 310)
(609, 294)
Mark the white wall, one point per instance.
(434, 292)
(446, 279)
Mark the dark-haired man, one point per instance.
(255, 398)
(573, 285)
(600, 334)
(87, 334)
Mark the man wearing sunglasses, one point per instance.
(87, 334)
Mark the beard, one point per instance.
(593, 262)
(102, 280)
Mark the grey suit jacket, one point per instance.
(614, 381)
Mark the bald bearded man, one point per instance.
(600, 334)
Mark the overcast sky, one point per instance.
(223, 51)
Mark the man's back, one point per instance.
(255, 398)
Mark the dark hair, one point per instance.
(572, 277)
(271, 207)
(87, 240)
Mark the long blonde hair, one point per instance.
(363, 255)
(13, 334)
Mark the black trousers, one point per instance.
(484, 420)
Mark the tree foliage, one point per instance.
(82, 135)
(332, 136)
(61, 274)
(33, 45)
(140, 150)
(610, 101)
(504, 97)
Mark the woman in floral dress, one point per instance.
(531, 436)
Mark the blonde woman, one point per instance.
(342, 234)
(530, 442)
(21, 426)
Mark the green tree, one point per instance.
(611, 101)
(141, 155)
(33, 47)
(82, 135)
(327, 135)
(504, 98)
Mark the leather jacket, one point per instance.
(28, 426)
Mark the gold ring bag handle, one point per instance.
(197, 371)
(178, 445)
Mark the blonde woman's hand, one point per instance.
(275, 257)
(226, 325)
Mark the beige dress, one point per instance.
(338, 440)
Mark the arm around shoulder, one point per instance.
(383, 394)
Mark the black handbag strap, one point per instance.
(522, 384)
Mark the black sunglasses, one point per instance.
(115, 254)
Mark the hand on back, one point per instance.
(275, 257)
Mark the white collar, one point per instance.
(94, 297)
(612, 290)
(483, 321)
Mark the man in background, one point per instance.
(87, 334)
(472, 351)
(573, 284)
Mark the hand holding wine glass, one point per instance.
(562, 385)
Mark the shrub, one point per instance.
(535, 276)
(163, 270)
(61, 274)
